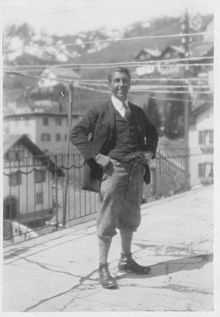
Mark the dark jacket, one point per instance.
(95, 133)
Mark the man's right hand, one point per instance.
(148, 156)
(102, 160)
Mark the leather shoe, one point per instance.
(127, 264)
(105, 278)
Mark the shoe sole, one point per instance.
(138, 273)
(110, 287)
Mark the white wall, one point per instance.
(25, 193)
(204, 122)
(21, 126)
(52, 128)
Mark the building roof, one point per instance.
(200, 110)
(12, 139)
(175, 48)
(202, 49)
(152, 52)
(179, 49)
(209, 29)
(53, 75)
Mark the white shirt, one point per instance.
(119, 105)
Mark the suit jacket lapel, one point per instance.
(105, 128)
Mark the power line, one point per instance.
(160, 79)
(107, 92)
(132, 88)
(93, 89)
(127, 63)
(155, 85)
(143, 37)
(169, 91)
(135, 90)
(35, 77)
(169, 99)
(149, 79)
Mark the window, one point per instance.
(58, 121)
(15, 179)
(39, 198)
(39, 176)
(206, 137)
(45, 121)
(15, 155)
(65, 137)
(58, 137)
(11, 156)
(45, 137)
(205, 170)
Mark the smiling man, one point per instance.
(117, 141)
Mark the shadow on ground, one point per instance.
(171, 266)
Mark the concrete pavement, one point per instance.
(58, 272)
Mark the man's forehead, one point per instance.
(120, 74)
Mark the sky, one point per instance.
(71, 16)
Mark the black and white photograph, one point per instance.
(108, 156)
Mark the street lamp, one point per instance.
(186, 45)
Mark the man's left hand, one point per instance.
(148, 156)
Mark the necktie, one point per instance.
(127, 111)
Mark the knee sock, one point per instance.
(104, 247)
(126, 239)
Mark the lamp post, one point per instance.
(186, 45)
(70, 112)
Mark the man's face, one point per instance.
(119, 85)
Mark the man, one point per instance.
(117, 141)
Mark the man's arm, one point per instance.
(82, 133)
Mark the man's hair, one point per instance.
(119, 70)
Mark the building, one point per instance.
(52, 76)
(172, 51)
(201, 145)
(49, 131)
(148, 54)
(27, 181)
(164, 69)
(51, 92)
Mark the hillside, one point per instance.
(23, 46)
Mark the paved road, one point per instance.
(58, 272)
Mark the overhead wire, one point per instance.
(168, 91)
(148, 79)
(133, 89)
(151, 79)
(157, 36)
(154, 85)
(114, 64)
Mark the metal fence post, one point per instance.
(56, 194)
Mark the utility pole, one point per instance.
(186, 46)
(68, 150)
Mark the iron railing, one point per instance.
(43, 193)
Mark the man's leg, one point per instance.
(104, 247)
(105, 278)
(127, 263)
(126, 239)
(106, 224)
